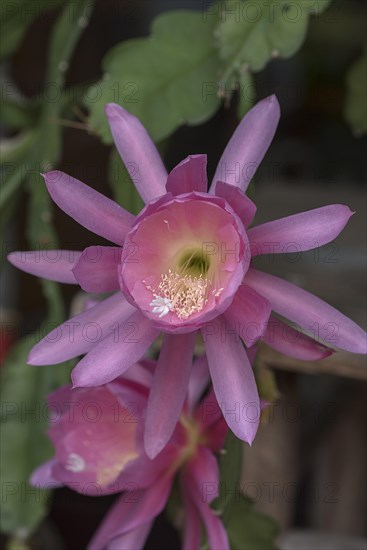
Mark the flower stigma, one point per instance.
(75, 463)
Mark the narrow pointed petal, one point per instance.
(138, 152)
(42, 477)
(317, 317)
(208, 411)
(233, 379)
(288, 341)
(189, 175)
(81, 333)
(191, 525)
(204, 471)
(130, 513)
(241, 204)
(97, 269)
(88, 207)
(134, 539)
(303, 231)
(199, 380)
(123, 347)
(54, 265)
(248, 314)
(141, 373)
(248, 145)
(216, 533)
(168, 391)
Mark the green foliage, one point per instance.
(166, 80)
(18, 113)
(25, 387)
(124, 191)
(248, 529)
(179, 74)
(22, 432)
(246, 93)
(16, 17)
(250, 34)
(356, 104)
(230, 467)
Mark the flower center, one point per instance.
(194, 262)
(184, 289)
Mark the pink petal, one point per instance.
(123, 347)
(81, 333)
(138, 152)
(42, 477)
(134, 539)
(131, 512)
(199, 380)
(97, 269)
(299, 232)
(141, 373)
(191, 523)
(204, 471)
(217, 536)
(288, 341)
(54, 265)
(248, 314)
(251, 354)
(88, 207)
(208, 411)
(189, 175)
(241, 204)
(324, 322)
(233, 379)
(248, 145)
(168, 391)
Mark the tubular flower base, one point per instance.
(103, 455)
(183, 266)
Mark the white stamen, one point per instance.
(75, 463)
(183, 294)
(161, 305)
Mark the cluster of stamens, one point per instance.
(183, 294)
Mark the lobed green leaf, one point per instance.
(250, 34)
(167, 79)
(355, 110)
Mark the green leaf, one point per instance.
(246, 94)
(14, 149)
(250, 34)
(17, 114)
(230, 467)
(166, 80)
(10, 184)
(356, 105)
(124, 191)
(16, 17)
(7, 215)
(25, 387)
(248, 529)
(22, 432)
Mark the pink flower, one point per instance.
(98, 438)
(183, 266)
